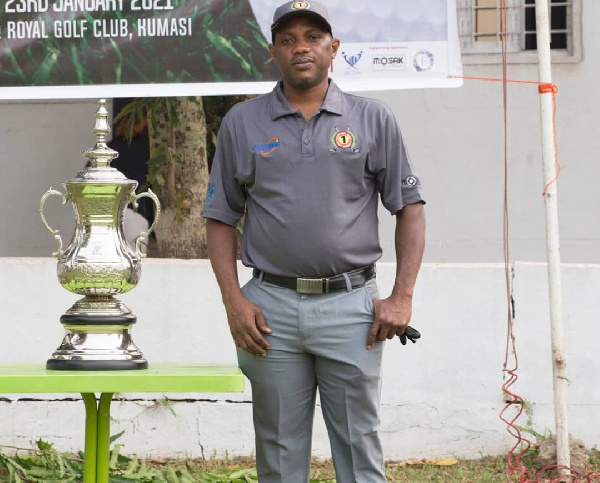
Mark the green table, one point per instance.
(159, 378)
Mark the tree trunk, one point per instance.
(180, 180)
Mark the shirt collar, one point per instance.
(280, 106)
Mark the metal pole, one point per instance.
(559, 362)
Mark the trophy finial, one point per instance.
(101, 128)
(101, 155)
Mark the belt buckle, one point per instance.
(312, 285)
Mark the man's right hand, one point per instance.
(247, 324)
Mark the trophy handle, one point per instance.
(54, 233)
(138, 240)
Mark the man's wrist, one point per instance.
(401, 295)
(231, 295)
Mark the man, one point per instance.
(306, 163)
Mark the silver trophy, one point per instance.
(99, 263)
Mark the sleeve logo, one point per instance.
(411, 182)
(211, 192)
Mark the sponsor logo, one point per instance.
(390, 62)
(300, 5)
(266, 148)
(423, 60)
(211, 192)
(352, 60)
(411, 181)
(343, 140)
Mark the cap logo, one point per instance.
(300, 5)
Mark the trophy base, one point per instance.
(91, 365)
(97, 343)
(98, 307)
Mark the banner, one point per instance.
(145, 48)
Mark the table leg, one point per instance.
(91, 437)
(103, 438)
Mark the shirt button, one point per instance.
(302, 128)
(306, 141)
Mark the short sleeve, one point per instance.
(397, 182)
(225, 198)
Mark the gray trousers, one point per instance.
(317, 341)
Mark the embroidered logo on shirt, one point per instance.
(266, 148)
(211, 192)
(411, 182)
(343, 140)
(300, 5)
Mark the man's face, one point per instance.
(303, 51)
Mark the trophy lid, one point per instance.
(99, 157)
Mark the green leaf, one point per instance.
(243, 473)
(132, 467)
(42, 473)
(114, 437)
(171, 475)
(114, 456)
(14, 469)
(225, 47)
(243, 42)
(165, 401)
(212, 477)
(185, 476)
(61, 464)
(157, 159)
(143, 471)
(43, 445)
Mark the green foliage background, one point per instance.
(227, 45)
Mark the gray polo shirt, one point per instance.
(310, 188)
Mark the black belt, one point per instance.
(319, 285)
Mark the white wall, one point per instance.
(441, 396)
(42, 145)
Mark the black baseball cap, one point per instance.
(290, 9)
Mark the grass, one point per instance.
(487, 469)
(484, 470)
(45, 464)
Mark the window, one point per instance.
(480, 39)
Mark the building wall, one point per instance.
(441, 396)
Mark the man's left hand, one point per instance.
(392, 316)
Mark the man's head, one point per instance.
(293, 9)
(303, 46)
